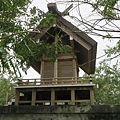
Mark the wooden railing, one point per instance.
(54, 81)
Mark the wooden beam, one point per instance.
(72, 96)
(42, 69)
(66, 11)
(56, 70)
(52, 97)
(66, 56)
(24, 102)
(33, 97)
(82, 100)
(72, 44)
(56, 62)
(42, 101)
(75, 70)
(60, 101)
(92, 96)
(63, 56)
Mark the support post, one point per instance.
(74, 70)
(56, 62)
(42, 69)
(52, 97)
(33, 97)
(72, 96)
(56, 70)
(92, 96)
(17, 97)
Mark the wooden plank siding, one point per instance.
(48, 69)
(64, 66)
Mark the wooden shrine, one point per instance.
(60, 83)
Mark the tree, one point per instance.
(17, 49)
(102, 19)
(103, 16)
(108, 80)
(10, 29)
(17, 19)
(5, 86)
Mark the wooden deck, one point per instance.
(56, 91)
(55, 95)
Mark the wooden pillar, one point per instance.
(52, 97)
(72, 96)
(33, 97)
(92, 96)
(74, 70)
(17, 97)
(56, 70)
(42, 69)
(56, 62)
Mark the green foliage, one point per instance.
(9, 10)
(108, 80)
(107, 6)
(5, 86)
(10, 24)
(113, 50)
(47, 21)
(17, 49)
(35, 51)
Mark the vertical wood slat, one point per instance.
(74, 70)
(33, 97)
(52, 97)
(42, 69)
(72, 96)
(92, 96)
(35, 82)
(56, 70)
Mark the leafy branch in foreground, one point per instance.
(113, 50)
(17, 49)
(108, 80)
(5, 86)
(36, 51)
(102, 19)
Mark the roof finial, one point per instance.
(53, 8)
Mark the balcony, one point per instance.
(54, 81)
(54, 91)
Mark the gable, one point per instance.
(84, 45)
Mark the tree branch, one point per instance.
(21, 32)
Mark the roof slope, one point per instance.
(85, 46)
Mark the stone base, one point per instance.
(60, 112)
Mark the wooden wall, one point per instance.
(48, 69)
(64, 66)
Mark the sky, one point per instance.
(42, 5)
